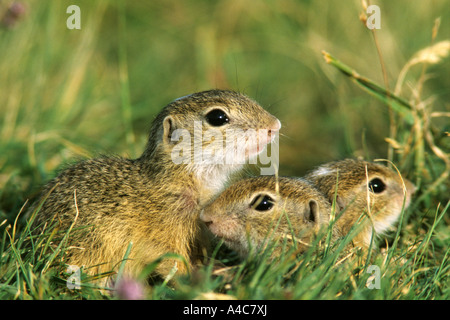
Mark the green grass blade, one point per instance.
(398, 104)
(124, 261)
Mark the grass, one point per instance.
(415, 269)
(70, 94)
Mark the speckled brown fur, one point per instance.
(353, 191)
(150, 201)
(299, 211)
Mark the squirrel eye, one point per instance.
(262, 203)
(376, 185)
(217, 117)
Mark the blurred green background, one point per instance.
(68, 94)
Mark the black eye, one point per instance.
(217, 118)
(376, 185)
(262, 203)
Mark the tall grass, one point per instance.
(70, 94)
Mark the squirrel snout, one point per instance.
(205, 218)
(271, 132)
(276, 127)
(410, 187)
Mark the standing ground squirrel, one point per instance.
(154, 201)
(256, 210)
(363, 188)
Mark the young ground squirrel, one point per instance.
(154, 201)
(256, 210)
(363, 188)
(247, 212)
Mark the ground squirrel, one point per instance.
(363, 188)
(245, 213)
(256, 210)
(154, 201)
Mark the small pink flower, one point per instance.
(14, 13)
(129, 289)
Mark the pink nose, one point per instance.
(276, 126)
(274, 129)
(410, 187)
(205, 218)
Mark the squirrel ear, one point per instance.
(312, 214)
(168, 129)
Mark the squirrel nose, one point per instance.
(207, 220)
(276, 126)
(410, 187)
(274, 129)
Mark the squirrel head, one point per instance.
(255, 210)
(211, 133)
(363, 188)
